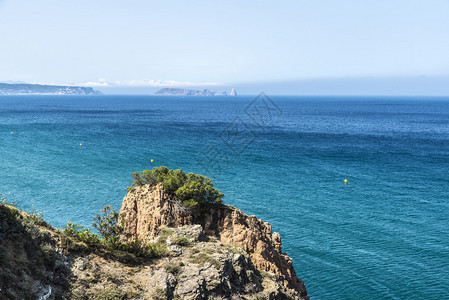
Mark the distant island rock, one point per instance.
(183, 92)
(187, 92)
(38, 89)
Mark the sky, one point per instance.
(282, 47)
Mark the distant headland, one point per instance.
(187, 92)
(38, 89)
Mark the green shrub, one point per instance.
(101, 293)
(35, 217)
(108, 227)
(172, 267)
(82, 234)
(202, 258)
(156, 250)
(181, 241)
(137, 248)
(163, 234)
(191, 189)
(109, 237)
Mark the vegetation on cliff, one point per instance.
(28, 259)
(148, 208)
(38, 261)
(155, 248)
(191, 189)
(108, 238)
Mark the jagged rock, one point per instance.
(163, 283)
(80, 264)
(212, 270)
(28, 268)
(175, 250)
(147, 208)
(192, 232)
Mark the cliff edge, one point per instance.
(147, 209)
(208, 252)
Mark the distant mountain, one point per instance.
(37, 89)
(187, 92)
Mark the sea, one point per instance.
(358, 187)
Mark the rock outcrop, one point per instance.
(38, 261)
(146, 209)
(210, 270)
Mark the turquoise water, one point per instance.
(384, 234)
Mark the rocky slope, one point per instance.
(146, 209)
(204, 258)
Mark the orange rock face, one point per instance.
(147, 208)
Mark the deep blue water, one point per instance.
(384, 234)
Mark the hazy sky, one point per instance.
(205, 43)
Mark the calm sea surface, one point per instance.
(384, 234)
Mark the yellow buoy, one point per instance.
(11, 132)
(81, 144)
(346, 181)
(151, 160)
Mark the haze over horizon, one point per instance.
(292, 47)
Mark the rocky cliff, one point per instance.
(147, 209)
(215, 252)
